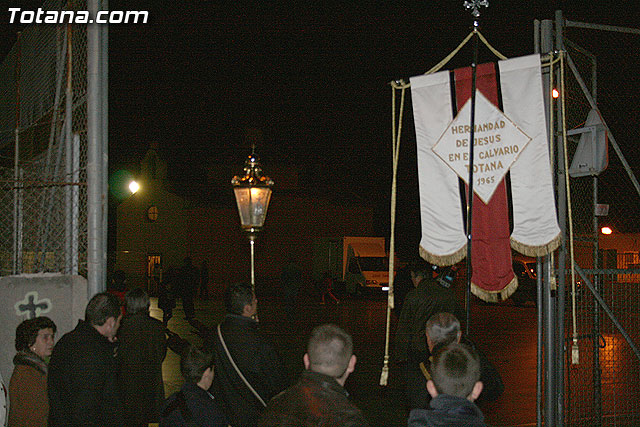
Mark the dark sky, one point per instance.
(314, 77)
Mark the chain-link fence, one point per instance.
(43, 149)
(601, 388)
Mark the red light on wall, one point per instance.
(606, 230)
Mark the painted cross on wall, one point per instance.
(32, 306)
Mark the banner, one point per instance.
(512, 176)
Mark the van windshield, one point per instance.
(373, 263)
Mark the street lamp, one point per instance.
(134, 187)
(253, 193)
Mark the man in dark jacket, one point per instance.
(428, 298)
(143, 346)
(318, 398)
(82, 381)
(252, 354)
(454, 387)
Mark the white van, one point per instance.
(365, 263)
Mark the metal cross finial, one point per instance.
(474, 5)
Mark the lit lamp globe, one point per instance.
(253, 194)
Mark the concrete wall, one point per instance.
(61, 298)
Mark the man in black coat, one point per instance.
(186, 286)
(143, 346)
(253, 355)
(82, 383)
(428, 298)
(319, 397)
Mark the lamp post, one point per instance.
(253, 193)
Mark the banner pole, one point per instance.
(474, 5)
(470, 182)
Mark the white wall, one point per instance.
(64, 296)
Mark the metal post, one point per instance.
(20, 220)
(474, 6)
(17, 223)
(69, 154)
(539, 360)
(104, 98)
(548, 306)
(474, 65)
(75, 214)
(560, 294)
(252, 241)
(539, 281)
(597, 369)
(549, 345)
(95, 197)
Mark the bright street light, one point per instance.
(133, 187)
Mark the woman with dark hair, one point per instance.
(28, 401)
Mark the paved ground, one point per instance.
(507, 334)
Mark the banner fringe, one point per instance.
(443, 260)
(495, 296)
(536, 251)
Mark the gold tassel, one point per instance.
(575, 353)
(384, 376)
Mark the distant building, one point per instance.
(157, 225)
(152, 225)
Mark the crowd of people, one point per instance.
(108, 370)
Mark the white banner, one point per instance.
(443, 240)
(535, 224)
(535, 227)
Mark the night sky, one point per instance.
(314, 79)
